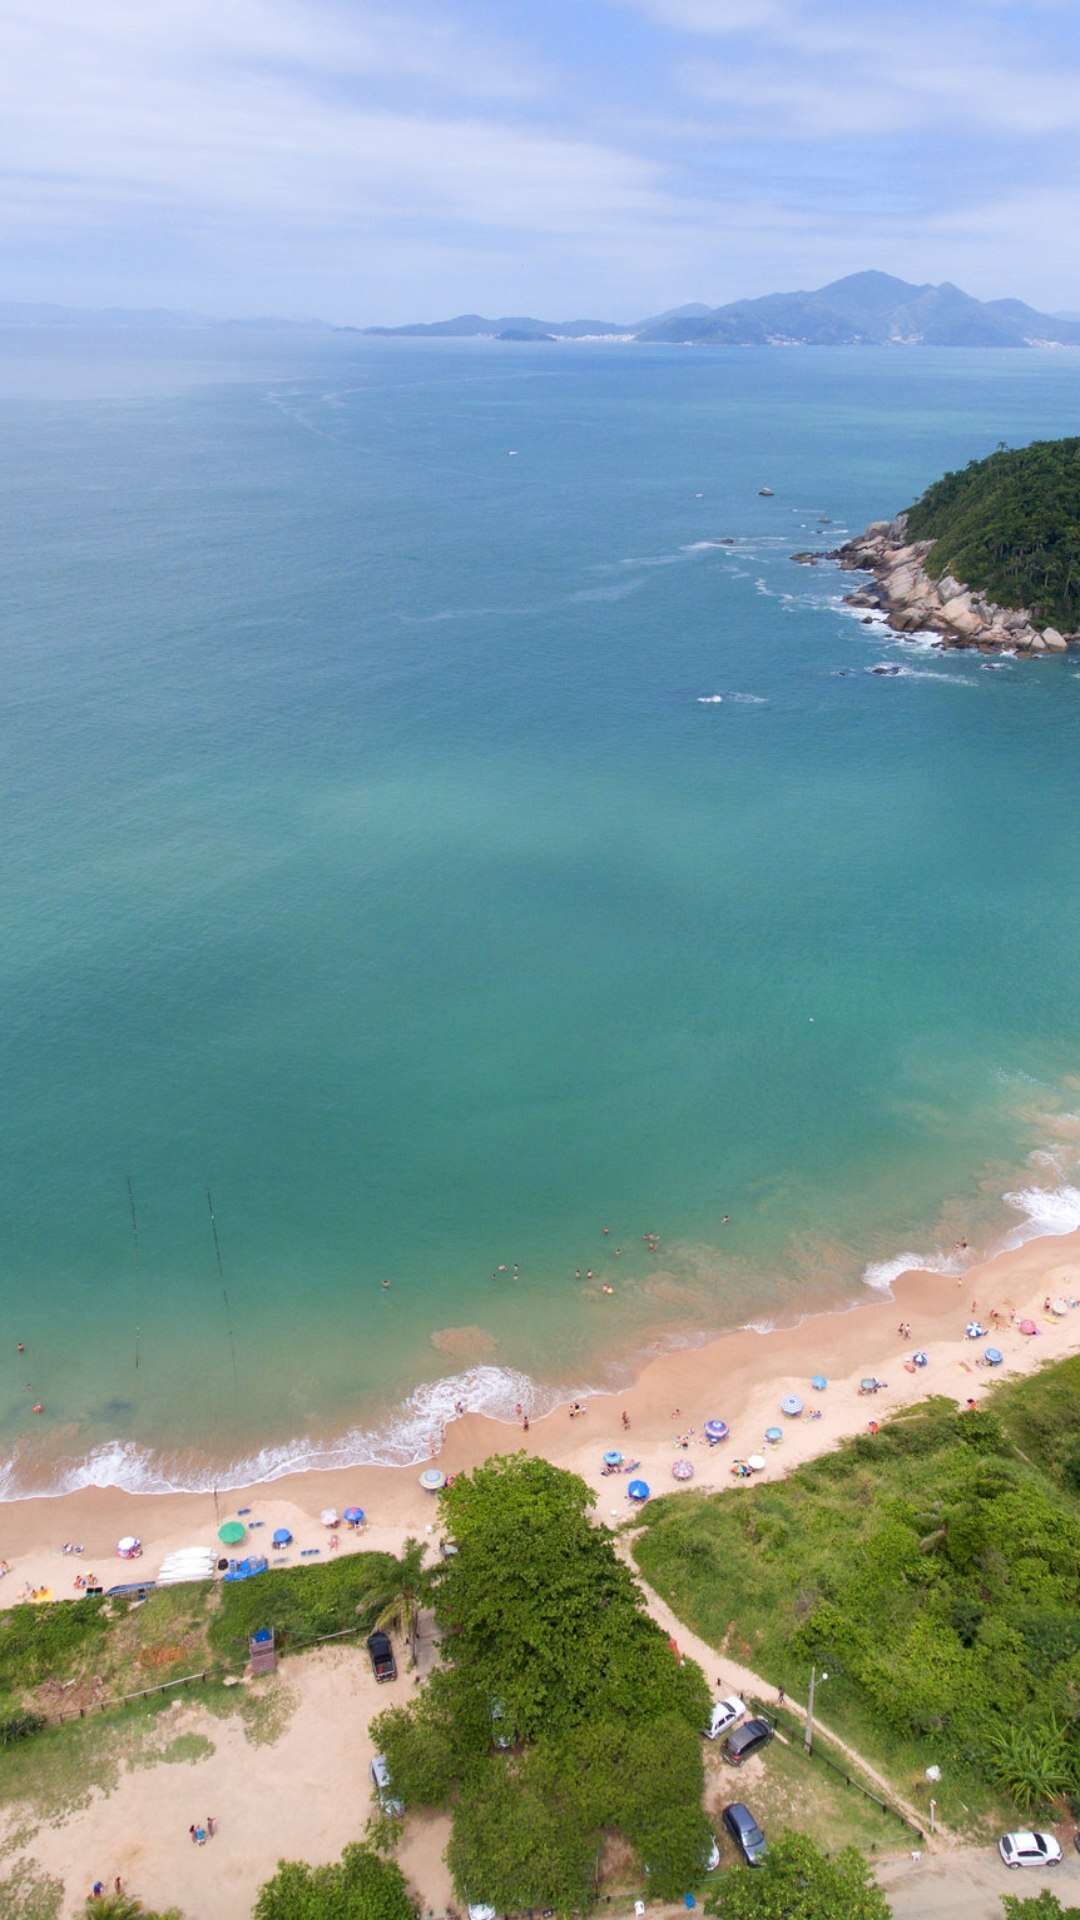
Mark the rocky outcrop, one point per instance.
(913, 602)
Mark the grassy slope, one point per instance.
(1010, 525)
(874, 1528)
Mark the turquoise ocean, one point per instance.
(422, 831)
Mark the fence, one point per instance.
(823, 1758)
(191, 1679)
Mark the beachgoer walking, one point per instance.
(525, 1424)
(118, 1885)
(780, 1696)
(191, 1831)
(211, 1825)
(625, 1421)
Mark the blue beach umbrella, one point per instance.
(353, 1516)
(819, 1383)
(613, 1458)
(773, 1435)
(432, 1480)
(638, 1490)
(716, 1429)
(282, 1537)
(993, 1355)
(791, 1405)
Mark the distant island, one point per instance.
(863, 310)
(988, 557)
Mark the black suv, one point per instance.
(747, 1739)
(746, 1833)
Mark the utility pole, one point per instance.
(808, 1736)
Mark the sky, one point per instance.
(607, 158)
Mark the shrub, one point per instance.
(361, 1886)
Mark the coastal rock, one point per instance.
(911, 618)
(1056, 641)
(901, 584)
(954, 609)
(948, 587)
(1037, 643)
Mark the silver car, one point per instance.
(384, 1792)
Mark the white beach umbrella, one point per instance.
(329, 1517)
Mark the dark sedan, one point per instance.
(746, 1833)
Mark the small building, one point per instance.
(262, 1650)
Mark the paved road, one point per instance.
(967, 1883)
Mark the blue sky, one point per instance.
(555, 157)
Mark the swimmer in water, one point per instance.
(385, 1285)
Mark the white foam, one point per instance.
(1054, 1210)
(710, 699)
(736, 699)
(880, 1274)
(413, 1434)
(758, 1326)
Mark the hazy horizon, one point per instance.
(611, 158)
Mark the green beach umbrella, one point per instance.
(232, 1533)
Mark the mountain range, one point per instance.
(863, 309)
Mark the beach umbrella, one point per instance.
(974, 1331)
(282, 1537)
(432, 1480)
(1027, 1326)
(1059, 1306)
(613, 1458)
(773, 1435)
(716, 1429)
(682, 1469)
(791, 1405)
(329, 1517)
(819, 1383)
(129, 1545)
(869, 1385)
(231, 1533)
(638, 1490)
(756, 1463)
(920, 1359)
(354, 1516)
(993, 1355)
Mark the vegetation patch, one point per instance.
(562, 1717)
(29, 1893)
(932, 1570)
(1010, 525)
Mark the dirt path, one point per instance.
(739, 1679)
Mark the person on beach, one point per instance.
(211, 1825)
(625, 1421)
(192, 1834)
(780, 1696)
(525, 1424)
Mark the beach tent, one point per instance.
(638, 1490)
(791, 1405)
(716, 1430)
(353, 1516)
(1027, 1326)
(231, 1533)
(432, 1480)
(682, 1469)
(281, 1537)
(819, 1383)
(613, 1458)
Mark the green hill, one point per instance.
(1010, 526)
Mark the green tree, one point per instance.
(124, 1906)
(1040, 1906)
(399, 1595)
(799, 1882)
(360, 1886)
(519, 1841)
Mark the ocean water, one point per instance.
(424, 833)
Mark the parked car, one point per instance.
(713, 1858)
(747, 1739)
(381, 1655)
(384, 1792)
(745, 1832)
(724, 1715)
(481, 1912)
(500, 1731)
(1029, 1850)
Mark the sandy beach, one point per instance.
(740, 1377)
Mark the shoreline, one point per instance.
(739, 1376)
(913, 602)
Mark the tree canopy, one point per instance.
(799, 1882)
(1039, 1906)
(1010, 525)
(560, 1711)
(360, 1886)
